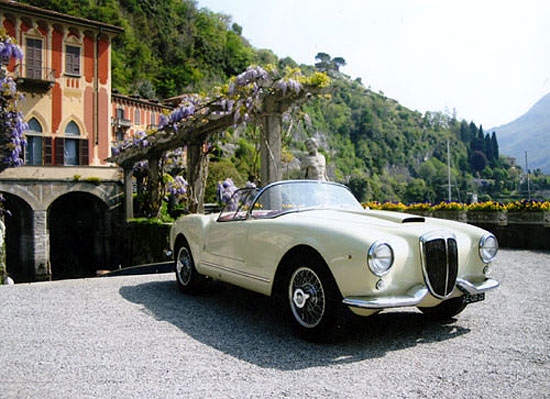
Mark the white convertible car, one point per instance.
(313, 243)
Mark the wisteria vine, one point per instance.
(241, 100)
(12, 124)
(240, 97)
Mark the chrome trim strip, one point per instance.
(437, 234)
(416, 295)
(476, 288)
(237, 272)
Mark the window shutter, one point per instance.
(68, 62)
(47, 146)
(76, 64)
(60, 151)
(83, 156)
(72, 60)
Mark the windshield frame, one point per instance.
(293, 210)
(237, 213)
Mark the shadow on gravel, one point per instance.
(249, 327)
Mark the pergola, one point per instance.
(254, 95)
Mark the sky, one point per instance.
(488, 60)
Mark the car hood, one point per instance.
(387, 221)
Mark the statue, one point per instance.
(314, 165)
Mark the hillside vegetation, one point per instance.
(381, 149)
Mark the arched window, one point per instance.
(34, 126)
(72, 129)
(33, 153)
(71, 145)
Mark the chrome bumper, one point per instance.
(415, 295)
(473, 289)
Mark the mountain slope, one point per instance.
(530, 132)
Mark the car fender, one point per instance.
(193, 228)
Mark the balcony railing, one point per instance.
(121, 122)
(34, 78)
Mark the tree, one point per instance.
(494, 145)
(322, 57)
(488, 145)
(326, 63)
(323, 63)
(359, 186)
(338, 62)
(478, 161)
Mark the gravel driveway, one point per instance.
(137, 337)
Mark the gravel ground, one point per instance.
(137, 337)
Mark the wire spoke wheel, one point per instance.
(307, 297)
(184, 266)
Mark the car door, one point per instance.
(225, 244)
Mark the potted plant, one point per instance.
(450, 210)
(487, 212)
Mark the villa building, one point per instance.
(65, 200)
(132, 114)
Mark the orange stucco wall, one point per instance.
(104, 150)
(89, 110)
(57, 52)
(57, 107)
(104, 72)
(10, 28)
(88, 59)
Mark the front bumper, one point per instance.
(416, 295)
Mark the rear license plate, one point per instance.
(473, 298)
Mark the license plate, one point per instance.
(473, 298)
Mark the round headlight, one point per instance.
(380, 258)
(488, 248)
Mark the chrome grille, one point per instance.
(440, 263)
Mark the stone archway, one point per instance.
(79, 225)
(19, 239)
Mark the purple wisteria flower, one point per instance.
(251, 73)
(177, 187)
(12, 123)
(138, 140)
(9, 49)
(225, 191)
(289, 84)
(182, 112)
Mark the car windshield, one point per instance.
(293, 196)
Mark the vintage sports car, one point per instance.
(313, 243)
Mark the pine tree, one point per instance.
(475, 144)
(494, 144)
(489, 148)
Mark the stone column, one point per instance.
(270, 144)
(197, 173)
(42, 269)
(128, 193)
